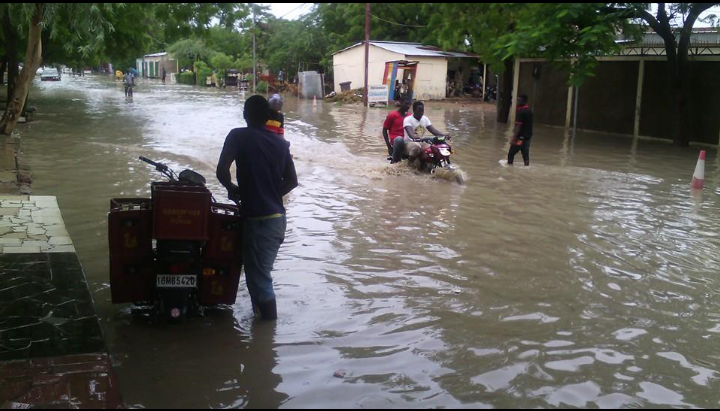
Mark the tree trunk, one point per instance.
(33, 59)
(505, 95)
(3, 67)
(11, 41)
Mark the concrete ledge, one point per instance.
(52, 351)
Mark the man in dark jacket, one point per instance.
(265, 173)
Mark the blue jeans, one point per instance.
(398, 149)
(261, 243)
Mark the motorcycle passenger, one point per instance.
(265, 173)
(393, 130)
(276, 123)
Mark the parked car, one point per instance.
(50, 74)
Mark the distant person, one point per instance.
(129, 82)
(393, 131)
(276, 122)
(265, 173)
(523, 131)
(163, 75)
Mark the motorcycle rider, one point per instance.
(393, 129)
(265, 173)
(415, 127)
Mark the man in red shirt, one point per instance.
(393, 129)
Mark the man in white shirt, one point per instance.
(415, 127)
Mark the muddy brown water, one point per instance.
(589, 279)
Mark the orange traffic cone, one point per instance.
(314, 100)
(698, 181)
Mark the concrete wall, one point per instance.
(548, 95)
(431, 75)
(170, 65)
(607, 100)
(703, 104)
(349, 65)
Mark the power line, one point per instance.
(291, 11)
(397, 24)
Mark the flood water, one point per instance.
(589, 279)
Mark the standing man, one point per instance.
(265, 173)
(164, 74)
(393, 130)
(523, 131)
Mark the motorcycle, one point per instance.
(176, 252)
(434, 158)
(490, 94)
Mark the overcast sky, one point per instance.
(289, 11)
(292, 11)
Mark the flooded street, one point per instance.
(589, 279)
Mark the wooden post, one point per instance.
(367, 51)
(568, 113)
(638, 97)
(484, 87)
(575, 113)
(515, 91)
(254, 61)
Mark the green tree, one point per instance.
(477, 27)
(89, 26)
(584, 31)
(221, 62)
(190, 50)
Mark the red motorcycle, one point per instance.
(177, 251)
(436, 157)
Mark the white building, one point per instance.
(424, 69)
(152, 65)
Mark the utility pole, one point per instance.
(254, 64)
(367, 51)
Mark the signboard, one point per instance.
(378, 94)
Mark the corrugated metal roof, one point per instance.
(413, 49)
(156, 54)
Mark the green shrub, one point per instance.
(262, 87)
(186, 77)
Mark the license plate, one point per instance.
(177, 281)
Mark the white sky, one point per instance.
(292, 11)
(289, 11)
(713, 10)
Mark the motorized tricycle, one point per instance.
(177, 251)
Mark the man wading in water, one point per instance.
(523, 131)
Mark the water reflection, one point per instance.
(218, 361)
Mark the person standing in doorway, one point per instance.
(523, 131)
(265, 173)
